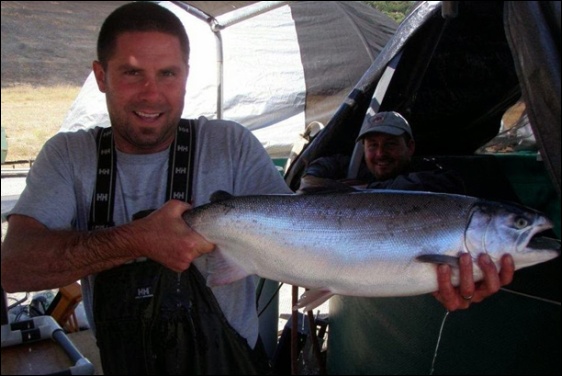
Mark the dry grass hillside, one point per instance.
(47, 43)
(47, 52)
(31, 115)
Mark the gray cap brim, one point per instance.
(387, 129)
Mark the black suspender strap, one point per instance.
(101, 209)
(180, 172)
(180, 163)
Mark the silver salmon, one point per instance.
(372, 244)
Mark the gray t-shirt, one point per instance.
(227, 157)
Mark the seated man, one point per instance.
(388, 146)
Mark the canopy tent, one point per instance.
(274, 66)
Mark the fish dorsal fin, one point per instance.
(220, 196)
(313, 298)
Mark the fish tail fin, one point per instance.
(312, 299)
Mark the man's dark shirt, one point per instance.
(423, 175)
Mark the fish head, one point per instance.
(498, 228)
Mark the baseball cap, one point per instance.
(385, 122)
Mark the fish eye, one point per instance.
(520, 222)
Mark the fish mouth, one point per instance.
(539, 248)
(543, 243)
(538, 239)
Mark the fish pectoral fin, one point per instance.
(312, 299)
(453, 261)
(221, 271)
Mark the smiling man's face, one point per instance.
(144, 83)
(386, 155)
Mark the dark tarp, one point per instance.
(533, 33)
(218, 8)
(321, 50)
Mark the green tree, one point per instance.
(396, 10)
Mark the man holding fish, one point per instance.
(70, 225)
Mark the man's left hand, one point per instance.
(468, 291)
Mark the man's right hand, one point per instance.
(164, 237)
(37, 258)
